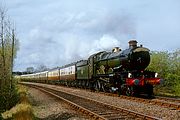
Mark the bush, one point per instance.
(22, 110)
(8, 99)
(168, 67)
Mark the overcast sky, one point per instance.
(57, 32)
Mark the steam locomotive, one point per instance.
(117, 71)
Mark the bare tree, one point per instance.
(2, 14)
(41, 68)
(30, 69)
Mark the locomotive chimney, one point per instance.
(132, 43)
(116, 49)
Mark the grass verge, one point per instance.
(23, 110)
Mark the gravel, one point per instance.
(148, 109)
(46, 107)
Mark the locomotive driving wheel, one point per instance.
(104, 87)
(97, 85)
(100, 85)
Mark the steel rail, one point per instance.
(95, 114)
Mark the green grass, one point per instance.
(173, 91)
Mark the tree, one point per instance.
(159, 62)
(168, 67)
(2, 16)
(8, 49)
(30, 69)
(175, 62)
(41, 68)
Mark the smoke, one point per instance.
(106, 42)
(59, 32)
(75, 36)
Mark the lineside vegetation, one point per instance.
(22, 110)
(168, 66)
(8, 50)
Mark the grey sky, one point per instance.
(57, 32)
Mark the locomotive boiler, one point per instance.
(120, 71)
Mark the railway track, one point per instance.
(167, 102)
(157, 101)
(171, 103)
(175, 100)
(93, 108)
